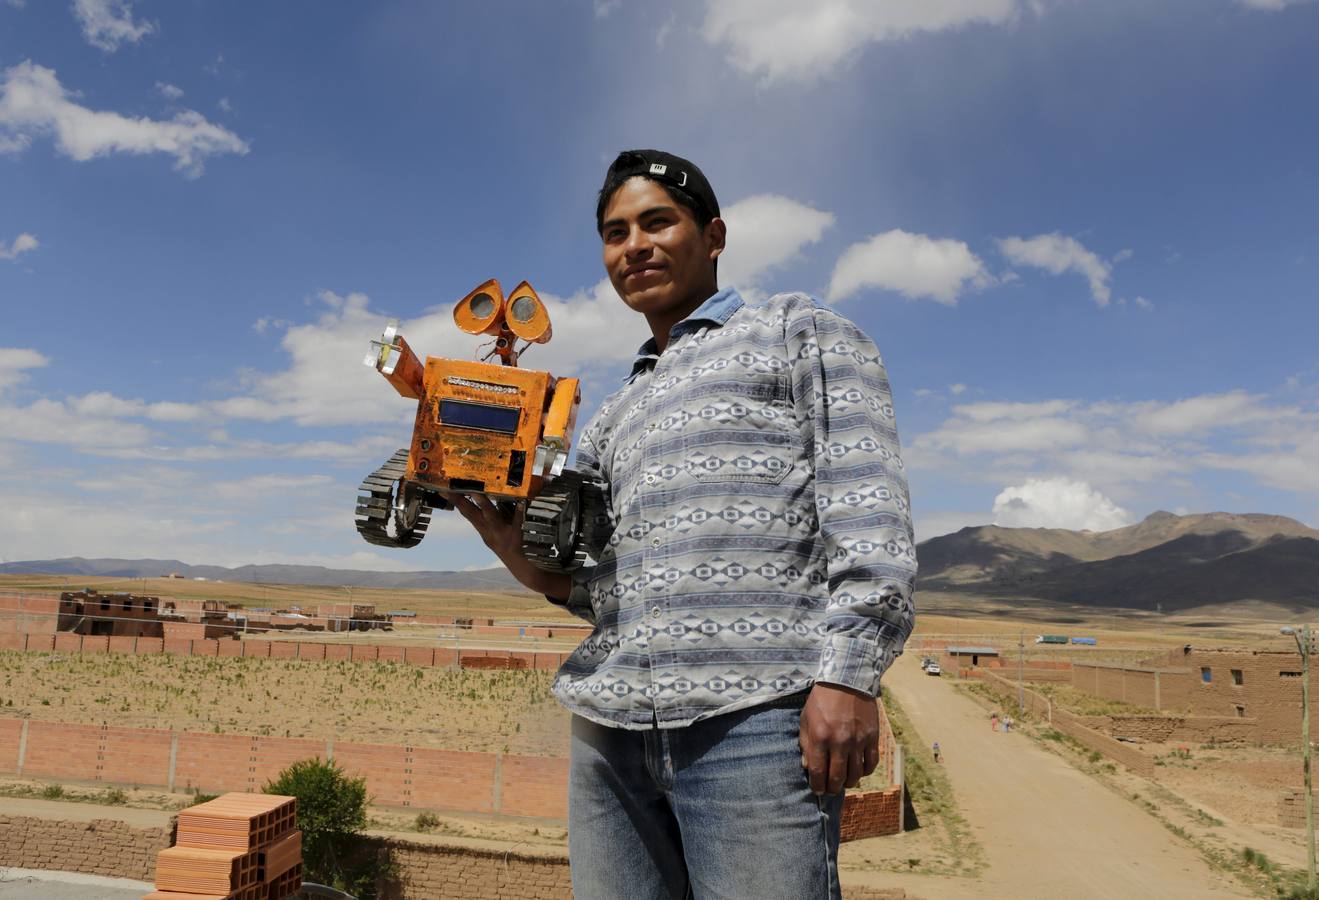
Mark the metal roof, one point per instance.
(972, 651)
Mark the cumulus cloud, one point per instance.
(169, 91)
(765, 232)
(108, 23)
(33, 103)
(1057, 503)
(14, 363)
(782, 40)
(325, 382)
(914, 265)
(22, 244)
(1056, 253)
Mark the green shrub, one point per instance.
(113, 797)
(427, 821)
(332, 815)
(52, 791)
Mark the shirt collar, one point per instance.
(715, 311)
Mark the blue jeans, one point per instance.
(719, 810)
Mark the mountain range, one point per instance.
(1164, 563)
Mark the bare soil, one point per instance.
(455, 709)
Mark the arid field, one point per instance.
(392, 703)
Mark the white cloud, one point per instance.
(968, 438)
(1057, 503)
(604, 7)
(914, 265)
(225, 105)
(22, 244)
(989, 412)
(325, 382)
(17, 4)
(1271, 5)
(108, 23)
(791, 40)
(1057, 253)
(15, 360)
(34, 103)
(957, 389)
(52, 422)
(766, 231)
(1207, 412)
(169, 91)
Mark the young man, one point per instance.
(756, 582)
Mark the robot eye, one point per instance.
(483, 305)
(524, 308)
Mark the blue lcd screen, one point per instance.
(481, 416)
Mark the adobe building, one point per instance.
(118, 615)
(1262, 687)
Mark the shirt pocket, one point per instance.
(740, 429)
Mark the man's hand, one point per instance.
(839, 737)
(503, 535)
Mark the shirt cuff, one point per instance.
(857, 659)
(579, 597)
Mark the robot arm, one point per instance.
(392, 357)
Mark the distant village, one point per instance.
(89, 612)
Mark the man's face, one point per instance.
(658, 259)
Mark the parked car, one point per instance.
(933, 669)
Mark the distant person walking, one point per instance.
(993, 721)
(937, 757)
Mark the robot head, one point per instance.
(487, 311)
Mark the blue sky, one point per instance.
(1083, 233)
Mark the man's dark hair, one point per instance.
(681, 179)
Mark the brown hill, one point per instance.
(1164, 562)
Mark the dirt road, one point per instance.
(1048, 830)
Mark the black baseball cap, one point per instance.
(679, 175)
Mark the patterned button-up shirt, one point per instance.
(759, 537)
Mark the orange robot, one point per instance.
(485, 428)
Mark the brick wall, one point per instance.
(533, 786)
(22, 613)
(1166, 729)
(100, 847)
(872, 813)
(1291, 808)
(437, 869)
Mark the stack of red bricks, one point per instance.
(235, 847)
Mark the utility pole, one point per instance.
(1303, 645)
(1021, 673)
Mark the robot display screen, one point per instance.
(481, 416)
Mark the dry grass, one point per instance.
(456, 709)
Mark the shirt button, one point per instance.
(650, 479)
(655, 542)
(655, 612)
